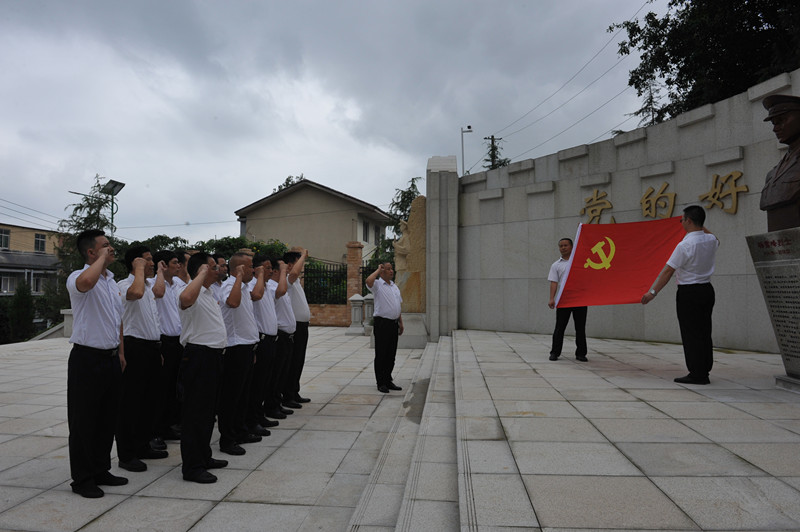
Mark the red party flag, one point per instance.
(614, 264)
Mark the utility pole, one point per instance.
(493, 151)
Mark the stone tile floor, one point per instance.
(531, 444)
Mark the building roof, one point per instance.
(303, 183)
(28, 260)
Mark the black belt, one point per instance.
(217, 350)
(170, 339)
(269, 337)
(99, 352)
(141, 341)
(282, 334)
(386, 319)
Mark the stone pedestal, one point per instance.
(776, 257)
(415, 334)
(67, 313)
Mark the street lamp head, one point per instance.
(112, 187)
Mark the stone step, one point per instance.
(382, 497)
(430, 500)
(490, 488)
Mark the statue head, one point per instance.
(784, 113)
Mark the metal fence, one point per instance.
(325, 283)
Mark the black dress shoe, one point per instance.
(201, 477)
(286, 411)
(299, 399)
(267, 423)
(291, 404)
(134, 466)
(383, 389)
(393, 386)
(582, 358)
(275, 414)
(258, 430)
(107, 479)
(152, 454)
(692, 380)
(88, 490)
(158, 444)
(214, 463)
(248, 438)
(171, 434)
(553, 357)
(233, 449)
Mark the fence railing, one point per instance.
(325, 283)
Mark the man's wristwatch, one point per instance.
(652, 292)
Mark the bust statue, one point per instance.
(780, 196)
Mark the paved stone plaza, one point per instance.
(487, 434)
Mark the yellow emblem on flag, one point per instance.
(605, 260)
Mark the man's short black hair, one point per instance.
(696, 214)
(195, 261)
(290, 257)
(274, 262)
(259, 259)
(165, 255)
(567, 239)
(134, 253)
(217, 256)
(85, 241)
(180, 253)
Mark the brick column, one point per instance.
(353, 271)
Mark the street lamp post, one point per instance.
(111, 188)
(468, 130)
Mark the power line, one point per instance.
(575, 124)
(34, 210)
(615, 128)
(25, 214)
(574, 75)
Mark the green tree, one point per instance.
(5, 320)
(399, 209)
(704, 51)
(290, 180)
(21, 314)
(493, 159)
(228, 245)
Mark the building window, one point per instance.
(8, 285)
(5, 238)
(377, 234)
(37, 286)
(365, 232)
(40, 242)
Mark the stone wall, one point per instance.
(330, 315)
(493, 235)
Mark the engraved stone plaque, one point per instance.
(776, 257)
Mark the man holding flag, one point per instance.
(557, 276)
(693, 263)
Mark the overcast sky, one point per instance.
(202, 107)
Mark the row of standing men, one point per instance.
(160, 354)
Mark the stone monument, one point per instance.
(776, 254)
(410, 269)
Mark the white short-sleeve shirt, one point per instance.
(694, 257)
(97, 313)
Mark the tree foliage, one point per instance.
(704, 51)
(399, 209)
(290, 180)
(493, 159)
(228, 245)
(21, 314)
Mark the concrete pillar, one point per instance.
(356, 315)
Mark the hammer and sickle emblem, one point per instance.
(605, 260)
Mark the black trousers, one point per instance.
(168, 409)
(695, 303)
(137, 404)
(237, 372)
(284, 351)
(299, 346)
(562, 319)
(199, 385)
(386, 335)
(93, 383)
(263, 369)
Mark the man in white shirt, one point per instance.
(203, 337)
(236, 303)
(264, 366)
(168, 408)
(557, 273)
(277, 289)
(94, 371)
(388, 324)
(142, 339)
(692, 262)
(295, 260)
